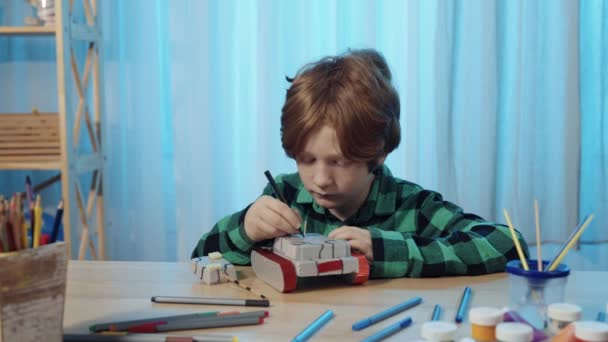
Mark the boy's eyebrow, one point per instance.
(331, 156)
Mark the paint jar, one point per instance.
(438, 331)
(512, 316)
(514, 332)
(560, 315)
(483, 323)
(531, 291)
(590, 331)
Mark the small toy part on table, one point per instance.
(213, 269)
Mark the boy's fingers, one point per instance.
(342, 233)
(291, 216)
(299, 218)
(273, 223)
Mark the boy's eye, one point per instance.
(306, 160)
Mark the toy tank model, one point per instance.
(314, 255)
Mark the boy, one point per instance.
(339, 122)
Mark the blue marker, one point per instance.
(464, 303)
(436, 313)
(314, 327)
(366, 322)
(388, 331)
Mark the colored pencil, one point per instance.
(436, 316)
(313, 327)
(389, 330)
(38, 222)
(3, 232)
(172, 323)
(57, 222)
(211, 301)
(366, 322)
(464, 303)
(124, 337)
(123, 325)
(221, 321)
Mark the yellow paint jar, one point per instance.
(483, 323)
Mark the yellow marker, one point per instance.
(524, 262)
(38, 221)
(571, 243)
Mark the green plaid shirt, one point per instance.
(415, 233)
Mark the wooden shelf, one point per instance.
(29, 141)
(27, 30)
(33, 164)
(42, 141)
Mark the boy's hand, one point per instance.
(359, 239)
(268, 218)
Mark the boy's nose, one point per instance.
(322, 179)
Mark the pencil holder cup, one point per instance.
(530, 292)
(32, 293)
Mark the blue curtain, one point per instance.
(503, 102)
(593, 54)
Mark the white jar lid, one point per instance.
(485, 316)
(564, 312)
(438, 331)
(514, 332)
(591, 331)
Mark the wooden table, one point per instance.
(102, 291)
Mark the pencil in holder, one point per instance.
(531, 291)
(32, 293)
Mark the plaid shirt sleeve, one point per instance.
(229, 238)
(430, 237)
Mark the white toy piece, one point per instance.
(314, 255)
(312, 247)
(213, 269)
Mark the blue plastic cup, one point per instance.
(530, 292)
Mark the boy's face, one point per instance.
(337, 184)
